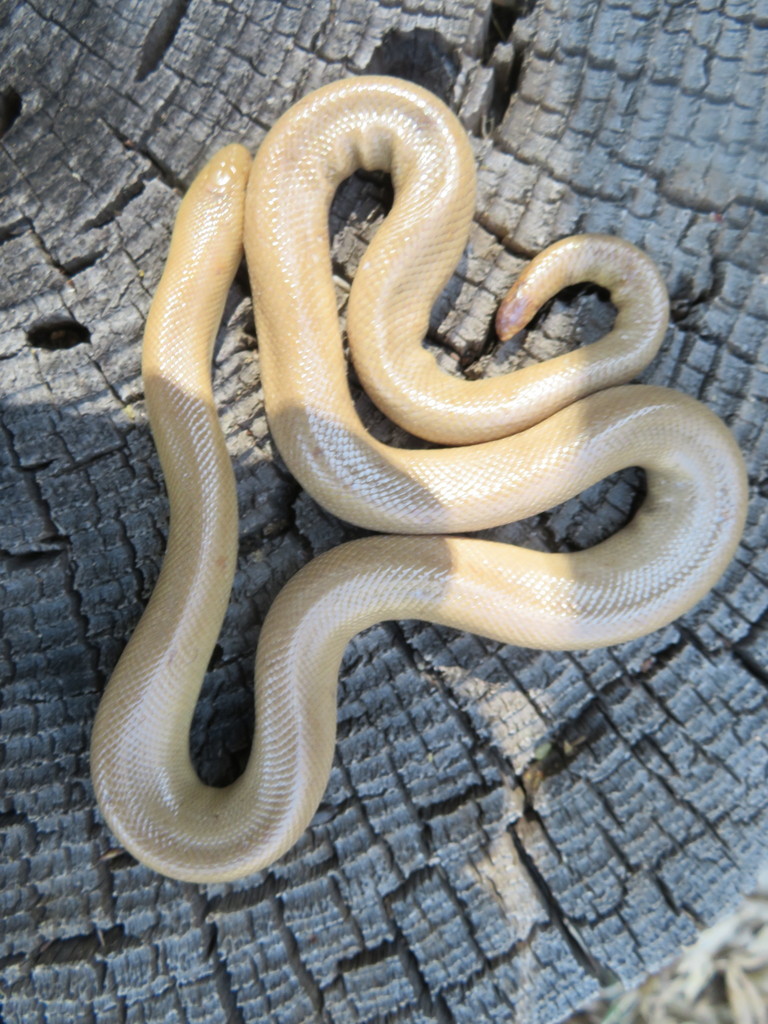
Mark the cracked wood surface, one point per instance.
(504, 829)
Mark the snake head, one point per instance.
(516, 311)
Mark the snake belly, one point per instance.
(516, 445)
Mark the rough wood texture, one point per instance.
(459, 870)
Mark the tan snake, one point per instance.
(651, 571)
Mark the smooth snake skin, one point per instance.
(529, 440)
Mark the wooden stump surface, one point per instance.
(504, 830)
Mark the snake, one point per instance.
(490, 451)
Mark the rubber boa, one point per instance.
(514, 446)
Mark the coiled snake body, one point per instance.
(529, 441)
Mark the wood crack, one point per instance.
(580, 953)
(160, 37)
(305, 979)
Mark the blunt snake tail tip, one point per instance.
(512, 446)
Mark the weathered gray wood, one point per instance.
(460, 869)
